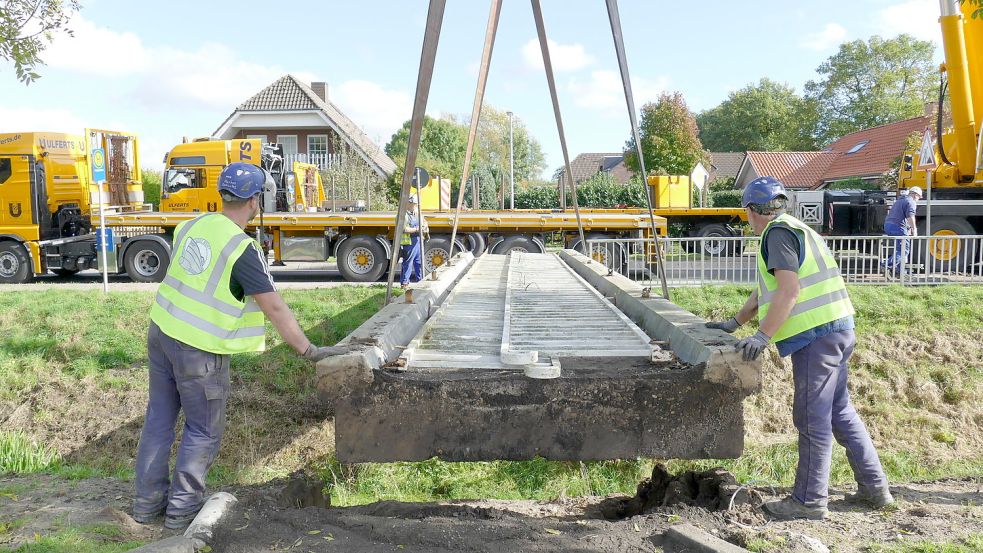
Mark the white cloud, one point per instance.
(604, 91)
(919, 18)
(565, 57)
(831, 36)
(97, 51)
(377, 110)
(31, 120)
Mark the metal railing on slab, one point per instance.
(874, 260)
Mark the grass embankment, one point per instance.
(73, 367)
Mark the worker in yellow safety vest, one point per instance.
(210, 305)
(803, 306)
(411, 252)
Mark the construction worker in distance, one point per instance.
(803, 306)
(900, 221)
(211, 304)
(413, 230)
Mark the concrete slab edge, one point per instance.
(173, 544)
(686, 333)
(380, 339)
(699, 541)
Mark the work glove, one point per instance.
(727, 326)
(316, 353)
(753, 346)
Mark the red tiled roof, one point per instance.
(802, 170)
(884, 144)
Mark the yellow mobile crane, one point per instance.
(956, 188)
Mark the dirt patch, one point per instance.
(939, 511)
(713, 490)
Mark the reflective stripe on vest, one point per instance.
(198, 308)
(822, 293)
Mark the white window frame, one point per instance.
(279, 139)
(324, 136)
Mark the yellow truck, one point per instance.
(48, 200)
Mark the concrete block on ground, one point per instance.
(687, 335)
(173, 544)
(691, 539)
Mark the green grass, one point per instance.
(96, 538)
(971, 544)
(20, 455)
(764, 545)
(889, 310)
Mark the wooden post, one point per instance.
(475, 193)
(349, 195)
(368, 194)
(334, 196)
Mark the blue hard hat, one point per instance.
(242, 179)
(763, 190)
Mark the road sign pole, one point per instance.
(102, 239)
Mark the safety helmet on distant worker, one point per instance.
(243, 180)
(413, 199)
(916, 190)
(762, 190)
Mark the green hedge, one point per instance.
(725, 198)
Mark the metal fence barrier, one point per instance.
(862, 259)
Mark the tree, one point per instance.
(767, 116)
(493, 145)
(866, 84)
(27, 27)
(670, 138)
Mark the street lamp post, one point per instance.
(511, 166)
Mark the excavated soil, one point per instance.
(293, 515)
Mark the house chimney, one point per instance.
(321, 89)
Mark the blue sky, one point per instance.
(174, 69)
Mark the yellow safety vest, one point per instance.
(194, 304)
(411, 221)
(822, 293)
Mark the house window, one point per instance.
(858, 147)
(289, 143)
(317, 145)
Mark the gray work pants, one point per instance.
(181, 377)
(822, 412)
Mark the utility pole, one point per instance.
(511, 165)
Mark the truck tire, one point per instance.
(613, 256)
(437, 252)
(361, 259)
(518, 243)
(716, 248)
(146, 261)
(476, 243)
(946, 254)
(15, 264)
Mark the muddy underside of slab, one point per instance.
(453, 392)
(586, 414)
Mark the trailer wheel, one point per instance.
(476, 243)
(361, 259)
(518, 243)
(716, 248)
(15, 265)
(612, 255)
(946, 253)
(146, 261)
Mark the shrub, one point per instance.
(151, 186)
(726, 198)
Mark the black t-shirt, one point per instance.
(782, 249)
(250, 275)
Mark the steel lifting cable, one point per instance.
(479, 95)
(619, 46)
(435, 17)
(537, 12)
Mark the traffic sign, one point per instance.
(98, 164)
(926, 153)
(699, 176)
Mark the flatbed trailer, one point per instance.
(362, 241)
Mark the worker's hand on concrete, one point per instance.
(753, 345)
(316, 353)
(727, 326)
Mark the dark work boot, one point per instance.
(871, 496)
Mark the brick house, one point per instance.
(310, 128)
